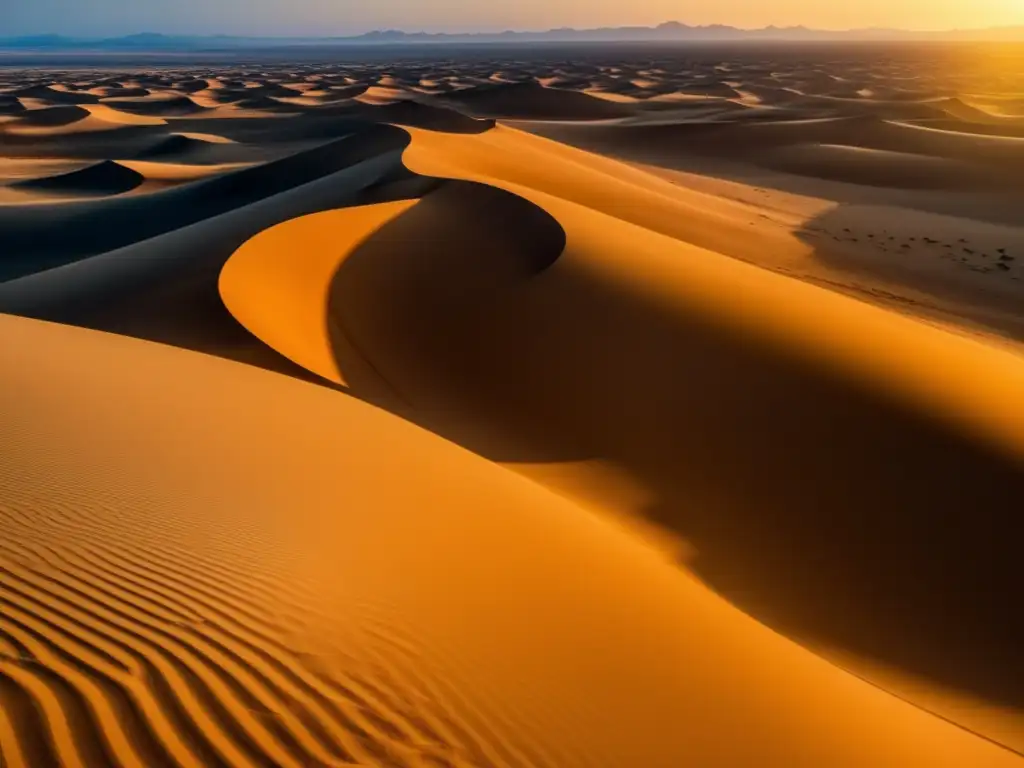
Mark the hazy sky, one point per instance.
(329, 17)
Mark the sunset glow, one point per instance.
(338, 17)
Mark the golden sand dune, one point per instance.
(675, 420)
(394, 318)
(55, 95)
(177, 106)
(61, 121)
(199, 579)
(111, 114)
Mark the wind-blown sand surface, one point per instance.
(501, 413)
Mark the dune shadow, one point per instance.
(818, 504)
(415, 286)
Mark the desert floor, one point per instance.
(622, 408)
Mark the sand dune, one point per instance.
(62, 121)
(51, 117)
(646, 410)
(414, 361)
(10, 105)
(53, 95)
(199, 149)
(177, 658)
(109, 114)
(140, 218)
(166, 107)
(106, 178)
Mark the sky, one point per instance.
(85, 18)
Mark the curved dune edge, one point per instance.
(774, 307)
(777, 309)
(109, 113)
(204, 559)
(67, 120)
(319, 305)
(281, 300)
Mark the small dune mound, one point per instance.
(51, 117)
(381, 94)
(54, 96)
(712, 88)
(179, 147)
(274, 91)
(960, 110)
(532, 101)
(165, 174)
(347, 91)
(266, 104)
(117, 117)
(121, 93)
(180, 106)
(192, 86)
(209, 138)
(106, 178)
(11, 105)
(1009, 107)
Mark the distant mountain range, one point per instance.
(668, 32)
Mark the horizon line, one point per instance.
(512, 31)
